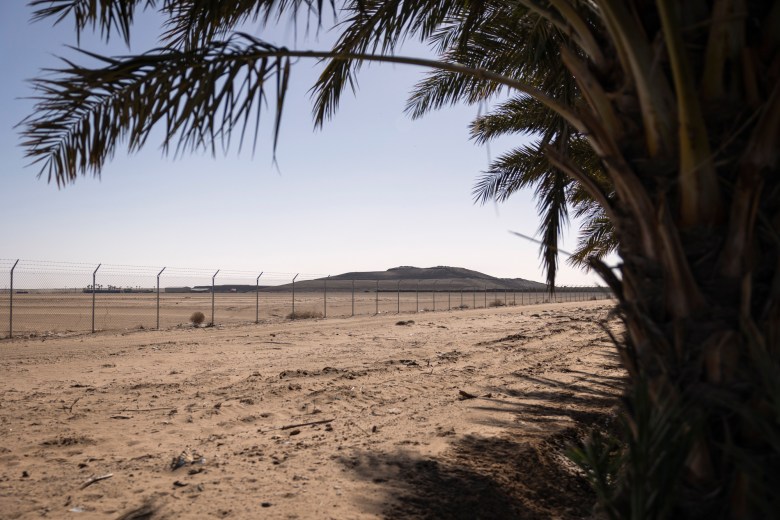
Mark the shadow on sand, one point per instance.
(512, 476)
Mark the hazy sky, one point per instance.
(372, 190)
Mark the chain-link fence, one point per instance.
(38, 298)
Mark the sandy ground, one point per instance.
(201, 423)
(50, 313)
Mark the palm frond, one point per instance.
(108, 15)
(373, 26)
(200, 97)
(519, 115)
(552, 207)
(442, 88)
(530, 52)
(596, 239)
(517, 169)
(193, 23)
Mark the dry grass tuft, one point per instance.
(304, 315)
(197, 318)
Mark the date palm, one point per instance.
(664, 117)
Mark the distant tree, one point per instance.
(664, 117)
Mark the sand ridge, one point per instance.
(438, 418)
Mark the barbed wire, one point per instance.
(169, 273)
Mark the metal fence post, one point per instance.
(474, 297)
(293, 295)
(461, 298)
(11, 304)
(94, 289)
(325, 298)
(212, 297)
(377, 297)
(504, 296)
(486, 296)
(398, 297)
(353, 298)
(417, 295)
(434, 294)
(158, 297)
(449, 297)
(257, 297)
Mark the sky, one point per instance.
(371, 190)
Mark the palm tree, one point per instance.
(676, 105)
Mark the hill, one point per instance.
(429, 278)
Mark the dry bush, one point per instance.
(496, 303)
(197, 318)
(304, 315)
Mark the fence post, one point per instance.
(377, 297)
(257, 297)
(158, 297)
(417, 295)
(434, 294)
(325, 298)
(486, 296)
(353, 298)
(11, 304)
(474, 297)
(504, 296)
(461, 298)
(94, 289)
(398, 298)
(293, 295)
(212, 297)
(449, 297)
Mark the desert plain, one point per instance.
(42, 313)
(453, 414)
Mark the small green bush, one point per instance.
(304, 315)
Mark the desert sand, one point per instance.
(461, 414)
(43, 313)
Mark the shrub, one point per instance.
(304, 315)
(197, 318)
(496, 303)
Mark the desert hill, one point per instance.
(405, 278)
(440, 278)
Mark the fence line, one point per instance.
(54, 297)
